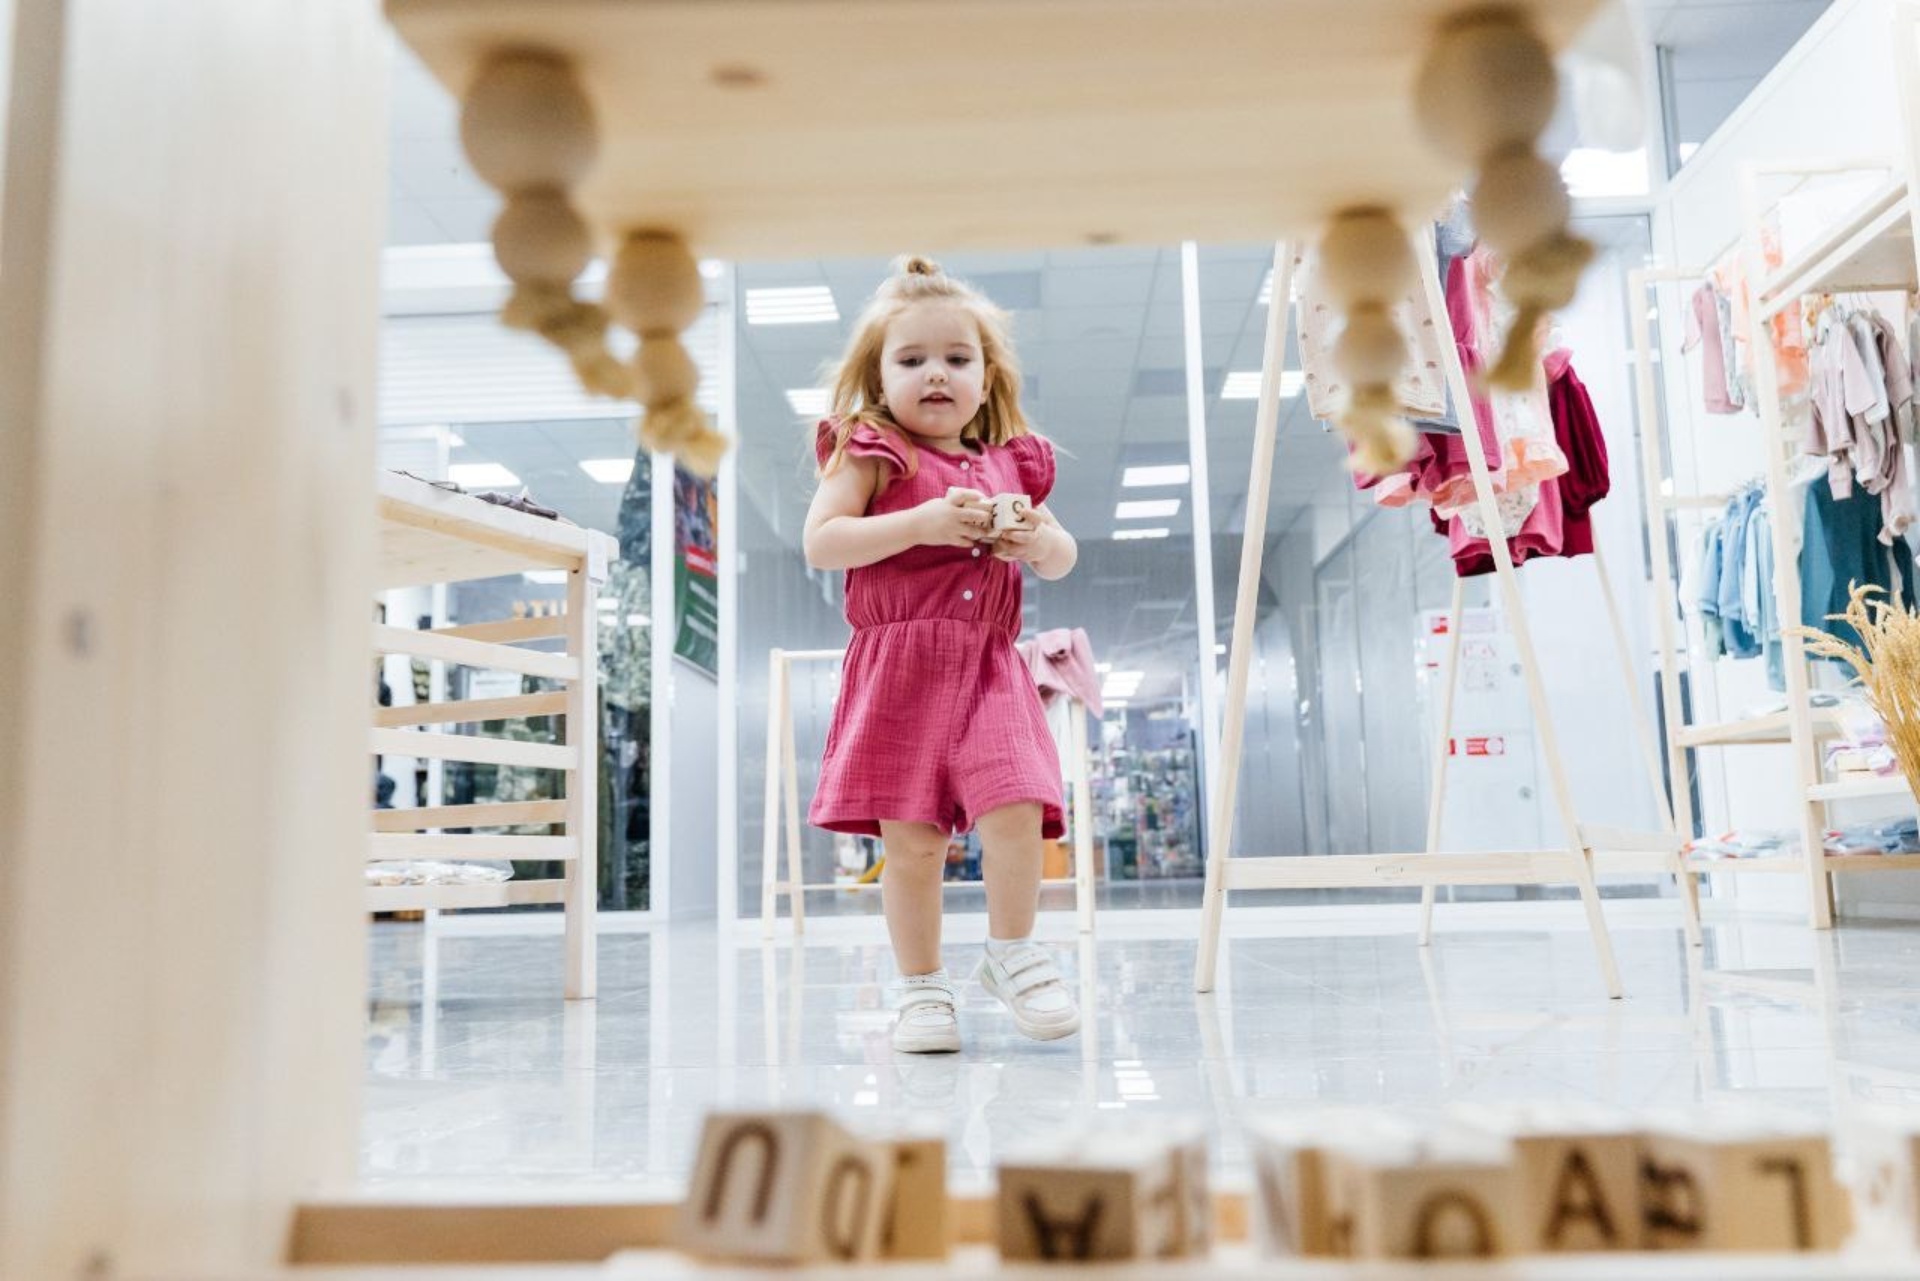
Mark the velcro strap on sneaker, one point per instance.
(1033, 975)
(920, 994)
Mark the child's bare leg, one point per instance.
(910, 892)
(1012, 859)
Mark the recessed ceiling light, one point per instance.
(1137, 477)
(804, 305)
(1128, 535)
(481, 476)
(546, 577)
(809, 402)
(1147, 509)
(608, 471)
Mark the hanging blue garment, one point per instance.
(1708, 604)
(1841, 547)
(1738, 628)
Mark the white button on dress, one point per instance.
(966, 595)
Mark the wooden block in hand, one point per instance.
(1577, 1174)
(1885, 1143)
(786, 1187)
(1097, 1204)
(1289, 1204)
(1422, 1200)
(1738, 1184)
(917, 1224)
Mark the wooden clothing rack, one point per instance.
(1571, 862)
(781, 825)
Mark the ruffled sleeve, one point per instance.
(866, 442)
(1034, 457)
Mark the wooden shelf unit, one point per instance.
(433, 535)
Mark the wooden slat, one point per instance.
(388, 847)
(1344, 871)
(508, 631)
(470, 747)
(417, 898)
(472, 653)
(1620, 839)
(1865, 789)
(1124, 123)
(471, 711)
(1872, 862)
(495, 814)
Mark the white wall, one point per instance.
(693, 837)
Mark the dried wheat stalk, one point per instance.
(1888, 663)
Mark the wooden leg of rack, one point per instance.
(1245, 607)
(796, 879)
(1083, 882)
(582, 882)
(1442, 750)
(770, 824)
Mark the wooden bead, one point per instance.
(663, 372)
(655, 286)
(1370, 348)
(525, 123)
(1519, 201)
(1488, 82)
(539, 239)
(1365, 257)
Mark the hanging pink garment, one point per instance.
(1061, 661)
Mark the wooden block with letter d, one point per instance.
(1578, 1174)
(1744, 1182)
(917, 1224)
(1105, 1201)
(1442, 1197)
(785, 1187)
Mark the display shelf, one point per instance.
(736, 122)
(1773, 728)
(1892, 785)
(1870, 249)
(417, 898)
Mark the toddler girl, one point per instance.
(939, 727)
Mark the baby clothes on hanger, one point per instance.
(1709, 326)
(1419, 386)
(1852, 390)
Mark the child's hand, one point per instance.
(961, 519)
(1026, 542)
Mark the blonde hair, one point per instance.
(855, 379)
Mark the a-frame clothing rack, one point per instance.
(1571, 862)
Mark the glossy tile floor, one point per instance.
(481, 1080)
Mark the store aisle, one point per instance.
(479, 1080)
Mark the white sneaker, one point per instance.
(1026, 979)
(925, 1021)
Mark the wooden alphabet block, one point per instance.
(787, 1187)
(1577, 1175)
(1421, 1201)
(1885, 1143)
(1191, 1190)
(1097, 1204)
(1738, 1184)
(918, 1225)
(1291, 1214)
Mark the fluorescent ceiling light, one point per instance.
(1589, 171)
(608, 604)
(638, 620)
(1244, 384)
(1113, 705)
(608, 471)
(1147, 509)
(1134, 535)
(711, 268)
(809, 402)
(481, 476)
(1219, 649)
(1103, 668)
(805, 305)
(1136, 477)
(1266, 287)
(546, 577)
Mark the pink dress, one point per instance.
(939, 720)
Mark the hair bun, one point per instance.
(914, 265)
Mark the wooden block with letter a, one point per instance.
(1104, 1201)
(1443, 1197)
(1885, 1144)
(1578, 1171)
(917, 1224)
(1745, 1182)
(785, 1187)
